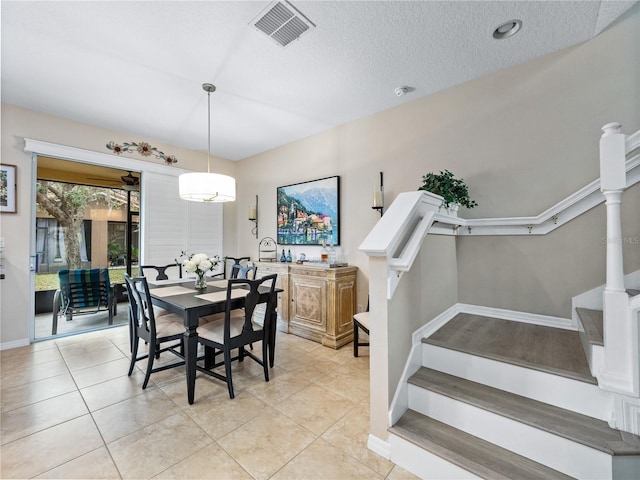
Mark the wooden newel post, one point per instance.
(612, 184)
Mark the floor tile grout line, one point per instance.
(356, 404)
(46, 399)
(68, 420)
(4, 391)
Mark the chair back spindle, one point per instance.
(240, 271)
(161, 270)
(228, 272)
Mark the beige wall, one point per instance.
(18, 123)
(523, 139)
(428, 289)
(541, 274)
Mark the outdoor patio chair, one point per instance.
(83, 291)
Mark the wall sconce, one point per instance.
(253, 217)
(378, 197)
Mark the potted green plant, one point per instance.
(453, 190)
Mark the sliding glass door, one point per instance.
(164, 224)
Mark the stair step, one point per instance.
(564, 423)
(473, 454)
(547, 349)
(592, 321)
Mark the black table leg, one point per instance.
(272, 337)
(190, 358)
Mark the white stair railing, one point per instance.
(399, 234)
(621, 372)
(397, 239)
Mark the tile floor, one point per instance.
(80, 323)
(70, 411)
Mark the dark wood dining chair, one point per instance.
(154, 331)
(161, 271)
(237, 328)
(360, 322)
(227, 269)
(172, 271)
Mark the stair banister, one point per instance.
(621, 370)
(397, 302)
(612, 184)
(399, 234)
(396, 241)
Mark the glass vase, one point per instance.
(201, 282)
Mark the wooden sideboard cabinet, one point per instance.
(317, 303)
(282, 269)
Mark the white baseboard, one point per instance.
(381, 447)
(23, 342)
(399, 404)
(516, 316)
(433, 325)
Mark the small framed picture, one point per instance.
(8, 188)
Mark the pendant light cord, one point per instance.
(209, 132)
(208, 87)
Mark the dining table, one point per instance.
(180, 297)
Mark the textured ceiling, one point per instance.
(138, 67)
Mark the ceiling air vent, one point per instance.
(282, 22)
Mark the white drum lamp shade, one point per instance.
(207, 187)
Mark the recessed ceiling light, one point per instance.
(402, 91)
(507, 29)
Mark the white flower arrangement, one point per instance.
(198, 263)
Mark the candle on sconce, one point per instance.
(252, 212)
(378, 200)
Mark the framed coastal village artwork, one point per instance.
(309, 212)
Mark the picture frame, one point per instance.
(309, 212)
(8, 186)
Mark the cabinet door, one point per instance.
(282, 282)
(308, 306)
(345, 306)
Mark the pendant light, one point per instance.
(207, 187)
